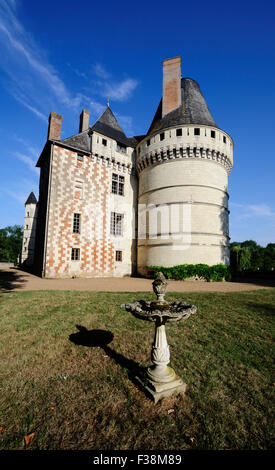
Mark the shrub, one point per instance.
(218, 272)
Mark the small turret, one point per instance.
(30, 220)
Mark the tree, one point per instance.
(10, 243)
(248, 255)
(269, 257)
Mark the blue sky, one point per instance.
(62, 56)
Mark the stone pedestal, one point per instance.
(156, 390)
(160, 380)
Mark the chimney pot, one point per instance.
(84, 120)
(171, 96)
(54, 129)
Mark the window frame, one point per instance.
(116, 224)
(118, 184)
(118, 256)
(76, 223)
(75, 254)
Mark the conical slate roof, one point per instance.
(31, 199)
(108, 125)
(193, 109)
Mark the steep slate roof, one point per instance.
(106, 125)
(193, 109)
(80, 141)
(31, 199)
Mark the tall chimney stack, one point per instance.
(171, 95)
(84, 120)
(54, 129)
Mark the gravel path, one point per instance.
(14, 279)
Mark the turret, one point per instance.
(30, 220)
(183, 165)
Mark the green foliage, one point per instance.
(249, 256)
(218, 272)
(10, 243)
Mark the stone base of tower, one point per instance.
(161, 254)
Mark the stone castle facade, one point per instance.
(111, 205)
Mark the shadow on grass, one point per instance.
(268, 282)
(101, 338)
(10, 278)
(261, 308)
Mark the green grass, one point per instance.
(73, 395)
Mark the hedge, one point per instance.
(218, 272)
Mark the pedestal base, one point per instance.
(157, 390)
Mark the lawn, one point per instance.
(68, 358)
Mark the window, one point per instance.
(75, 256)
(118, 255)
(116, 223)
(121, 148)
(28, 214)
(79, 157)
(27, 227)
(76, 223)
(197, 131)
(78, 189)
(117, 184)
(104, 142)
(148, 142)
(213, 134)
(178, 132)
(224, 139)
(161, 136)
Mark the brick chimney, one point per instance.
(84, 120)
(54, 129)
(171, 96)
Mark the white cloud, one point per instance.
(120, 91)
(100, 71)
(17, 195)
(32, 77)
(28, 161)
(252, 210)
(252, 222)
(29, 106)
(113, 89)
(32, 80)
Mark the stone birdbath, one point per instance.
(160, 380)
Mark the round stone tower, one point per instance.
(183, 165)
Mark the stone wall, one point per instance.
(83, 186)
(185, 179)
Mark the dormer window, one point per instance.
(121, 148)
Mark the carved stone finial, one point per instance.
(160, 286)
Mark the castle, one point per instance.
(112, 205)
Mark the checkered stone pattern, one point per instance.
(81, 187)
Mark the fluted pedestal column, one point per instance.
(161, 380)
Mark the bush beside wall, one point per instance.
(218, 272)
